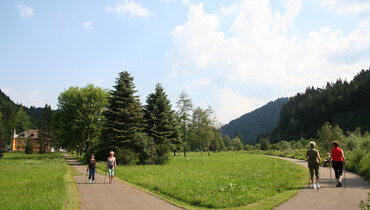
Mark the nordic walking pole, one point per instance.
(344, 177)
(309, 178)
(87, 171)
(105, 174)
(330, 175)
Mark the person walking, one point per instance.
(314, 160)
(338, 160)
(111, 166)
(92, 164)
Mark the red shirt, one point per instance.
(337, 154)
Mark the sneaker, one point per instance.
(89, 180)
(318, 185)
(338, 185)
(314, 186)
(93, 182)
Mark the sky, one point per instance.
(234, 56)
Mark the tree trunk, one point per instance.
(184, 151)
(174, 153)
(201, 152)
(208, 152)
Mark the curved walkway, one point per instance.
(113, 196)
(356, 189)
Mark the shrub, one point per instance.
(265, 144)
(29, 147)
(2, 147)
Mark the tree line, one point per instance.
(94, 120)
(340, 103)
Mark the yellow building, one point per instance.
(20, 140)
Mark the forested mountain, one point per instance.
(17, 116)
(260, 121)
(340, 103)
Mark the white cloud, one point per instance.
(347, 6)
(25, 11)
(97, 82)
(130, 7)
(167, 1)
(260, 59)
(32, 97)
(87, 25)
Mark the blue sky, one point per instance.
(232, 55)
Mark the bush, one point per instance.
(265, 144)
(29, 147)
(2, 147)
(127, 157)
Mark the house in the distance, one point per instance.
(20, 140)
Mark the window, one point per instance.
(24, 141)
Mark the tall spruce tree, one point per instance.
(45, 128)
(124, 116)
(161, 123)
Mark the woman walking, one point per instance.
(91, 168)
(314, 160)
(111, 165)
(338, 160)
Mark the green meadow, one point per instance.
(222, 180)
(37, 182)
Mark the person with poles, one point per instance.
(314, 160)
(338, 160)
(92, 164)
(111, 165)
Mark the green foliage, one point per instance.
(237, 143)
(327, 134)
(45, 128)
(80, 116)
(124, 117)
(250, 125)
(2, 146)
(184, 106)
(34, 182)
(199, 182)
(340, 103)
(29, 147)
(161, 124)
(22, 122)
(284, 145)
(265, 144)
(228, 143)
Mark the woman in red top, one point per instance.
(338, 159)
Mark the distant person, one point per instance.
(338, 160)
(92, 164)
(111, 165)
(327, 160)
(314, 160)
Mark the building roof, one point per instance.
(33, 134)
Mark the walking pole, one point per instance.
(105, 174)
(309, 178)
(344, 177)
(331, 186)
(87, 170)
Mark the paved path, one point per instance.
(356, 189)
(113, 196)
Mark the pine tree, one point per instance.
(124, 116)
(29, 146)
(45, 128)
(161, 123)
(2, 147)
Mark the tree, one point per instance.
(29, 146)
(184, 106)
(161, 123)
(2, 146)
(328, 134)
(228, 143)
(202, 127)
(265, 144)
(45, 128)
(237, 144)
(22, 121)
(124, 117)
(81, 118)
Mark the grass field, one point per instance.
(37, 182)
(222, 180)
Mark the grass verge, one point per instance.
(222, 180)
(36, 182)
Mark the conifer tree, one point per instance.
(161, 123)
(124, 116)
(184, 106)
(2, 146)
(45, 128)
